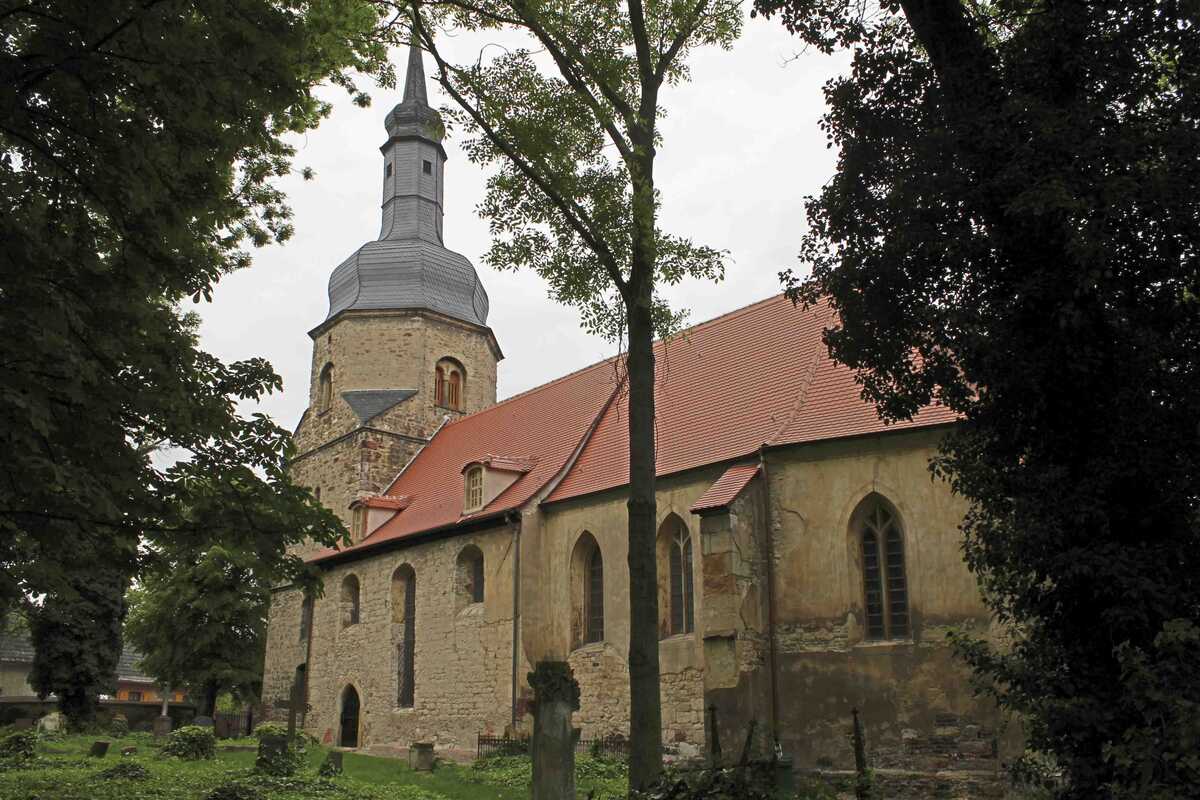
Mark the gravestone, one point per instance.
(294, 705)
(420, 756)
(52, 722)
(99, 749)
(556, 696)
(24, 723)
(162, 726)
(332, 764)
(129, 751)
(273, 754)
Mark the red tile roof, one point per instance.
(540, 429)
(384, 501)
(726, 488)
(757, 376)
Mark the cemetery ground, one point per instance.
(61, 769)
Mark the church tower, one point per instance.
(406, 342)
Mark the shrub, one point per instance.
(126, 770)
(329, 768)
(235, 790)
(18, 744)
(265, 729)
(119, 726)
(743, 784)
(191, 743)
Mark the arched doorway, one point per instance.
(349, 727)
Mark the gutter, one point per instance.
(769, 541)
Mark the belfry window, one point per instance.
(885, 584)
(427, 167)
(387, 171)
(474, 489)
(449, 384)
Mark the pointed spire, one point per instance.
(414, 81)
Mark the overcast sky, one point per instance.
(741, 149)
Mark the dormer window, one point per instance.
(474, 489)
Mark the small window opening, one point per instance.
(349, 601)
(387, 171)
(135, 697)
(474, 489)
(470, 576)
(325, 389)
(427, 167)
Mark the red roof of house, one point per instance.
(757, 376)
(726, 488)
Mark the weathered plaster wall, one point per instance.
(463, 662)
(14, 680)
(825, 665)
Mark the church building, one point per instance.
(808, 562)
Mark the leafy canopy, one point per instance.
(139, 145)
(1013, 230)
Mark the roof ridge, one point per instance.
(610, 359)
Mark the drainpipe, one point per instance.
(770, 554)
(515, 524)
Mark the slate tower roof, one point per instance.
(408, 267)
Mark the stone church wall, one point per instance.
(601, 668)
(463, 662)
(908, 690)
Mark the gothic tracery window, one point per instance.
(593, 605)
(683, 615)
(885, 584)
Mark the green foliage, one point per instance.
(119, 726)
(553, 680)
(1012, 230)
(19, 744)
(126, 771)
(235, 790)
(191, 743)
(266, 729)
(139, 147)
(329, 768)
(710, 784)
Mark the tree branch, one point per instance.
(576, 216)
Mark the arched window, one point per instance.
(349, 601)
(404, 627)
(885, 585)
(306, 615)
(325, 389)
(473, 500)
(469, 576)
(680, 595)
(587, 592)
(449, 384)
(594, 600)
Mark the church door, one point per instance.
(349, 733)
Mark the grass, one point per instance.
(63, 771)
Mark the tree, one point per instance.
(199, 614)
(1012, 230)
(139, 142)
(574, 199)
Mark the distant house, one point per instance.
(16, 660)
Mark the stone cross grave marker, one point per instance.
(294, 704)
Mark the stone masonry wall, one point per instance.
(463, 662)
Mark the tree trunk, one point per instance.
(645, 712)
(211, 690)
